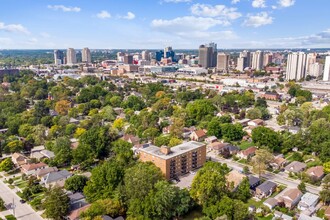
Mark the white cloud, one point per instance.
(286, 3)
(45, 35)
(64, 8)
(259, 3)
(187, 24)
(18, 28)
(103, 15)
(5, 40)
(129, 16)
(176, 1)
(258, 20)
(215, 11)
(235, 1)
(210, 35)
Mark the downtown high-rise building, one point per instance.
(146, 55)
(257, 60)
(71, 57)
(296, 66)
(58, 57)
(223, 62)
(208, 55)
(86, 55)
(315, 69)
(268, 58)
(128, 59)
(326, 74)
(244, 60)
(311, 59)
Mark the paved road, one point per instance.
(22, 211)
(281, 178)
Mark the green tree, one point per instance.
(302, 187)
(199, 109)
(105, 178)
(209, 184)
(232, 132)
(214, 128)
(6, 165)
(174, 142)
(62, 151)
(243, 191)
(110, 207)
(142, 176)
(76, 183)
(254, 113)
(123, 153)
(56, 203)
(264, 136)
(261, 160)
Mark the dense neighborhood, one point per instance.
(148, 148)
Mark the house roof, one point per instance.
(33, 166)
(200, 133)
(47, 153)
(74, 215)
(327, 212)
(132, 138)
(17, 155)
(271, 201)
(266, 186)
(235, 177)
(279, 160)
(315, 171)
(309, 198)
(258, 121)
(45, 171)
(249, 151)
(292, 194)
(295, 166)
(232, 148)
(303, 216)
(211, 138)
(76, 196)
(253, 180)
(56, 176)
(217, 145)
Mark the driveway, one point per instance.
(22, 211)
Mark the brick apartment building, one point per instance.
(176, 161)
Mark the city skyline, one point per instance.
(147, 24)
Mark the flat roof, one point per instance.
(175, 151)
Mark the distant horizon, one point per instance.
(50, 49)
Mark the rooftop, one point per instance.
(175, 151)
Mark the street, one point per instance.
(22, 211)
(280, 178)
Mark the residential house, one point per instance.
(74, 143)
(198, 135)
(45, 171)
(270, 96)
(254, 182)
(234, 179)
(19, 159)
(211, 139)
(32, 168)
(244, 122)
(278, 163)
(55, 178)
(308, 201)
(247, 153)
(270, 203)
(136, 148)
(265, 189)
(77, 200)
(295, 167)
(42, 154)
(232, 149)
(291, 197)
(131, 139)
(118, 111)
(315, 173)
(217, 146)
(256, 123)
(281, 216)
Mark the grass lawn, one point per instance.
(21, 184)
(11, 186)
(255, 203)
(269, 217)
(10, 217)
(19, 194)
(246, 144)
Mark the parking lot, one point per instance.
(186, 180)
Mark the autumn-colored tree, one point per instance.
(62, 107)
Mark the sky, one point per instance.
(154, 24)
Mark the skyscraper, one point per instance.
(128, 59)
(268, 58)
(311, 59)
(208, 55)
(223, 62)
(326, 74)
(58, 57)
(244, 60)
(296, 66)
(71, 56)
(257, 60)
(146, 55)
(315, 69)
(86, 55)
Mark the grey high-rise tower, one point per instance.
(71, 56)
(58, 57)
(86, 55)
(208, 55)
